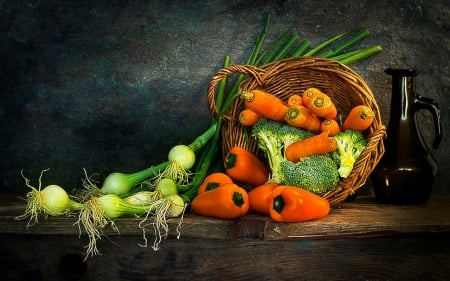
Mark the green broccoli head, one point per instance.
(267, 140)
(272, 138)
(350, 144)
(316, 173)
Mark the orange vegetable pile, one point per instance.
(314, 111)
(244, 185)
(226, 199)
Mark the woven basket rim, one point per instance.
(262, 76)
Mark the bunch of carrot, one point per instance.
(312, 110)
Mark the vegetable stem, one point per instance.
(253, 58)
(361, 54)
(222, 85)
(121, 184)
(201, 140)
(324, 44)
(259, 41)
(346, 44)
(268, 54)
(301, 49)
(206, 159)
(74, 205)
(290, 44)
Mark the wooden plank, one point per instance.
(363, 217)
(251, 248)
(56, 257)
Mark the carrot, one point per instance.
(248, 117)
(331, 126)
(307, 95)
(229, 201)
(317, 144)
(265, 104)
(321, 105)
(295, 99)
(259, 198)
(213, 181)
(299, 116)
(359, 118)
(245, 167)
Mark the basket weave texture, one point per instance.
(293, 76)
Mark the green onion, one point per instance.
(345, 45)
(289, 45)
(324, 44)
(301, 49)
(120, 183)
(166, 187)
(51, 200)
(360, 55)
(180, 159)
(98, 212)
(143, 197)
(252, 60)
(270, 52)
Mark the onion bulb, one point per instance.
(166, 187)
(182, 154)
(51, 200)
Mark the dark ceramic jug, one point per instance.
(406, 172)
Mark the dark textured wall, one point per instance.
(112, 85)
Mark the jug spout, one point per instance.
(401, 72)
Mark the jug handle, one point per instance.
(432, 106)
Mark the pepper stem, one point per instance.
(238, 199)
(230, 160)
(278, 203)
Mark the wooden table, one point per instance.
(359, 240)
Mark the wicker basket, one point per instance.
(294, 75)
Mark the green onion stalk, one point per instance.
(180, 159)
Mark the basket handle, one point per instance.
(246, 69)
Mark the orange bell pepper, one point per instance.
(213, 181)
(243, 166)
(294, 204)
(260, 198)
(228, 201)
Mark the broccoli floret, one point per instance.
(350, 144)
(272, 138)
(315, 173)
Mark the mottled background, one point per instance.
(112, 85)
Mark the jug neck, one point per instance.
(402, 99)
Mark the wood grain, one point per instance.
(362, 218)
(359, 240)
